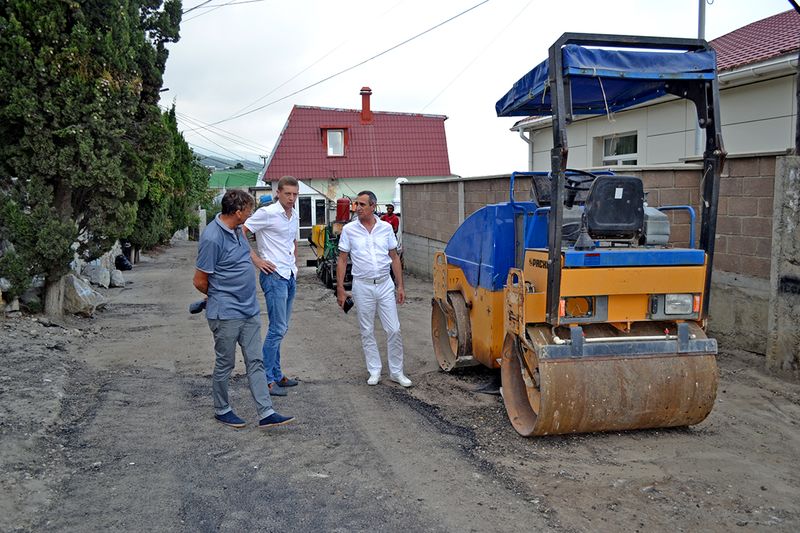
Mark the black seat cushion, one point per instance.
(615, 208)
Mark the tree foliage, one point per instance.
(176, 185)
(80, 130)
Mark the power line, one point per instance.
(244, 142)
(231, 137)
(206, 156)
(207, 12)
(198, 6)
(479, 54)
(224, 162)
(234, 3)
(398, 45)
(212, 8)
(329, 52)
(224, 148)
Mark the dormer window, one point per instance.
(335, 142)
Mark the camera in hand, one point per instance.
(348, 304)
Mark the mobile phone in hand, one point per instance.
(348, 304)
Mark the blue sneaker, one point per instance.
(274, 420)
(230, 419)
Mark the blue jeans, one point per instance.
(279, 295)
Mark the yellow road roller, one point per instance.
(594, 316)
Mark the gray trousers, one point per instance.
(247, 333)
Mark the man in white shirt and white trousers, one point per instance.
(372, 247)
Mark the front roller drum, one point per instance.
(451, 332)
(582, 395)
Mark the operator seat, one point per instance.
(614, 208)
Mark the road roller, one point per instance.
(594, 315)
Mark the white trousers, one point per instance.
(370, 298)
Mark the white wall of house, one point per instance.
(382, 187)
(758, 115)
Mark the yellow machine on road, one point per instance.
(324, 240)
(596, 320)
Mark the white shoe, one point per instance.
(401, 379)
(373, 379)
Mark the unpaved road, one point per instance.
(106, 424)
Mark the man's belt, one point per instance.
(373, 281)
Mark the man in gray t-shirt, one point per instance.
(226, 274)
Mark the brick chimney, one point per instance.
(366, 114)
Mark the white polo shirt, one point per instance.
(369, 251)
(275, 236)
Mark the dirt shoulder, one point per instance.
(107, 425)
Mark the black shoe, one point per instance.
(287, 382)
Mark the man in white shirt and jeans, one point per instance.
(372, 247)
(276, 227)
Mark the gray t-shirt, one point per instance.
(224, 254)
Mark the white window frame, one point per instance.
(630, 158)
(330, 135)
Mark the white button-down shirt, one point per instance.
(369, 251)
(276, 234)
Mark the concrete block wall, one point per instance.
(418, 254)
(675, 187)
(744, 221)
(429, 210)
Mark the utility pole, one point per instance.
(701, 34)
(797, 96)
(264, 168)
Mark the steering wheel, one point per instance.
(576, 181)
(581, 182)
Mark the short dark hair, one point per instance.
(236, 199)
(291, 181)
(373, 200)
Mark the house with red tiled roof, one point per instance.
(757, 68)
(340, 152)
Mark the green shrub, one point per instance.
(12, 267)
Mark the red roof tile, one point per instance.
(393, 145)
(767, 38)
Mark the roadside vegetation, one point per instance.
(86, 155)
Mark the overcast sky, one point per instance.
(251, 53)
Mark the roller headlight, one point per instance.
(678, 304)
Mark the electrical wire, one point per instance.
(225, 162)
(190, 122)
(329, 52)
(224, 148)
(230, 137)
(360, 63)
(479, 54)
(214, 7)
(210, 10)
(198, 6)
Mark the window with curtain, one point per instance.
(620, 149)
(335, 143)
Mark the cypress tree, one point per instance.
(79, 124)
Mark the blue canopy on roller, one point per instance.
(604, 80)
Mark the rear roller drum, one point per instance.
(451, 332)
